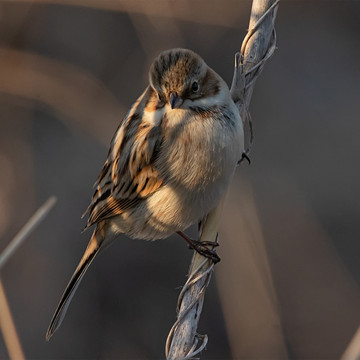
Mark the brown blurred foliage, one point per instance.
(288, 283)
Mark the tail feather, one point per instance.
(93, 248)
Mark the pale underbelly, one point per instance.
(168, 210)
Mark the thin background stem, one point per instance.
(7, 324)
(33, 222)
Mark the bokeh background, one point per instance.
(288, 282)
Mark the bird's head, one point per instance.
(180, 77)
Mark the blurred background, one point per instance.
(288, 282)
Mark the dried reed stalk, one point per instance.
(7, 325)
(258, 45)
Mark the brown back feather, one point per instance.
(129, 174)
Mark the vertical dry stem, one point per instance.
(352, 351)
(257, 47)
(7, 325)
(183, 340)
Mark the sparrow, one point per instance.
(169, 163)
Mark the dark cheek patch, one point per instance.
(216, 89)
(210, 85)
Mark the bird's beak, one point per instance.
(175, 100)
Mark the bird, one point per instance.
(169, 163)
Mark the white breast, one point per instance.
(197, 161)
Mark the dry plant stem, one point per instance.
(258, 45)
(7, 326)
(34, 221)
(183, 340)
(352, 351)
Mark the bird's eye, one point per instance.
(195, 86)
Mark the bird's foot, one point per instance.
(199, 243)
(201, 247)
(244, 157)
(203, 250)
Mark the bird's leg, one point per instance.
(191, 242)
(201, 247)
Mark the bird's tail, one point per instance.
(96, 243)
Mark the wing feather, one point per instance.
(129, 174)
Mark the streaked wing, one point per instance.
(129, 174)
